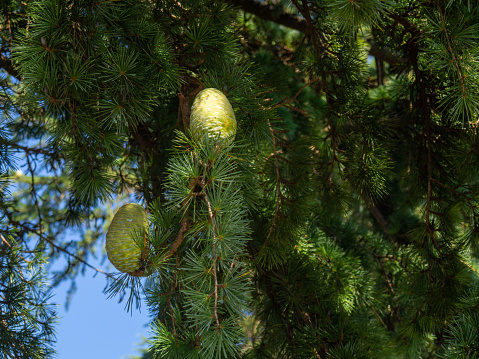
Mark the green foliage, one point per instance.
(210, 276)
(461, 338)
(27, 317)
(355, 14)
(342, 222)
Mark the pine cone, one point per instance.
(126, 239)
(212, 114)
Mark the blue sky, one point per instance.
(95, 327)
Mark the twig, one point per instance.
(51, 242)
(5, 241)
(76, 257)
(173, 320)
(32, 150)
(10, 246)
(212, 220)
(278, 188)
(34, 193)
(286, 102)
(376, 214)
(449, 48)
(374, 311)
(380, 258)
(184, 227)
(413, 29)
(426, 114)
(456, 193)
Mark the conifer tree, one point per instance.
(338, 219)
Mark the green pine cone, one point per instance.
(212, 114)
(126, 239)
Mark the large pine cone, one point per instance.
(212, 114)
(127, 239)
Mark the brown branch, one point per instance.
(278, 189)
(302, 112)
(5, 241)
(173, 320)
(212, 220)
(424, 103)
(283, 103)
(380, 259)
(75, 256)
(332, 130)
(287, 101)
(34, 192)
(183, 111)
(311, 28)
(408, 26)
(429, 158)
(10, 246)
(184, 227)
(184, 108)
(270, 13)
(456, 194)
(385, 54)
(64, 250)
(318, 44)
(374, 311)
(52, 243)
(454, 59)
(267, 12)
(7, 65)
(31, 150)
(378, 216)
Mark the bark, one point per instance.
(7, 65)
(269, 13)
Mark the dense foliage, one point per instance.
(342, 222)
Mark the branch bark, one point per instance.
(7, 65)
(267, 12)
(184, 227)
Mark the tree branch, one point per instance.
(215, 258)
(184, 227)
(267, 12)
(378, 216)
(454, 59)
(385, 54)
(51, 241)
(278, 189)
(32, 149)
(408, 26)
(7, 65)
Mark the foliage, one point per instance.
(26, 315)
(342, 221)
